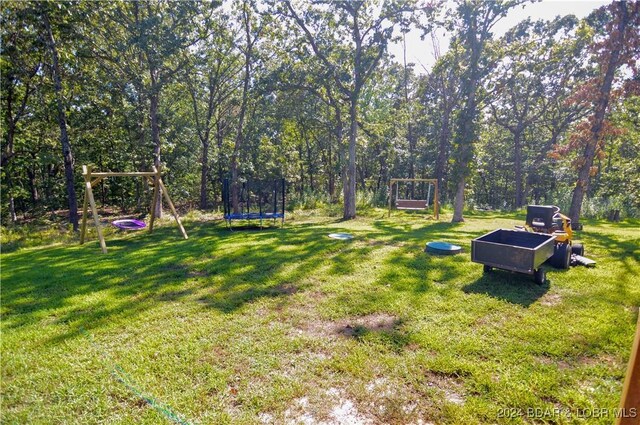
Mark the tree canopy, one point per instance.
(307, 90)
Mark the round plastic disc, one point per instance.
(129, 224)
(444, 248)
(341, 236)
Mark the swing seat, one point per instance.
(411, 204)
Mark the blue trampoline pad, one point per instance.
(444, 248)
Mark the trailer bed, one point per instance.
(514, 250)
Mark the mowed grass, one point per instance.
(290, 326)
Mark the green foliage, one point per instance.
(119, 58)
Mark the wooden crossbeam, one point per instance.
(414, 180)
(124, 174)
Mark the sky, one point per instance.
(421, 52)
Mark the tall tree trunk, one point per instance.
(332, 179)
(248, 55)
(310, 163)
(339, 132)
(204, 174)
(517, 159)
(466, 124)
(458, 205)
(33, 187)
(12, 210)
(584, 173)
(350, 195)
(62, 122)
(219, 143)
(443, 147)
(154, 101)
(343, 176)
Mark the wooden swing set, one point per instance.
(414, 204)
(154, 179)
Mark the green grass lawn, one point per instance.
(290, 326)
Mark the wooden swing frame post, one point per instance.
(436, 201)
(154, 178)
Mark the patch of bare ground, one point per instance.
(285, 289)
(547, 360)
(391, 403)
(350, 327)
(606, 360)
(197, 273)
(332, 407)
(448, 385)
(550, 300)
(491, 320)
(380, 401)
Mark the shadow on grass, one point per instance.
(516, 288)
(223, 270)
(215, 268)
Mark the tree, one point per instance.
(62, 116)
(211, 82)
(325, 27)
(473, 22)
(251, 35)
(517, 87)
(21, 69)
(440, 96)
(619, 46)
(145, 45)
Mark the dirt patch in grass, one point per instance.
(561, 364)
(173, 295)
(197, 273)
(605, 360)
(394, 403)
(285, 289)
(333, 407)
(352, 326)
(449, 385)
(550, 300)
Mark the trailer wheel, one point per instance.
(540, 276)
(577, 249)
(487, 269)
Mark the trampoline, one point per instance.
(129, 224)
(442, 248)
(257, 200)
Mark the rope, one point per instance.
(123, 377)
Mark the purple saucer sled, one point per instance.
(129, 224)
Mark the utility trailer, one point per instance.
(514, 250)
